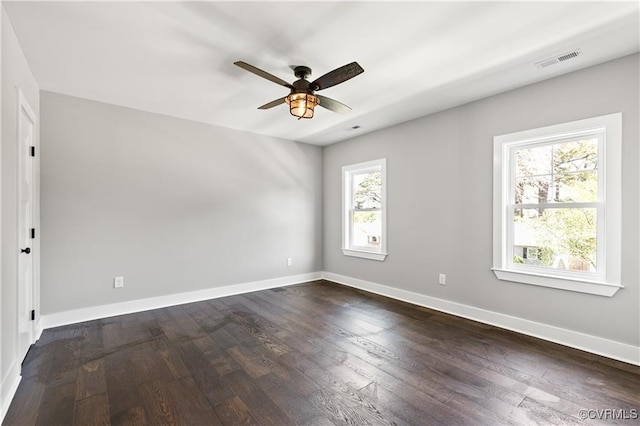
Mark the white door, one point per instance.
(26, 140)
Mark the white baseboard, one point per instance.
(597, 345)
(105, 311)
(8, 388)
(38, 329)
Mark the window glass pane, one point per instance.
(557, 238)
(534, 161)
(533, 190)
(367, 229)
(575, 166)
(367, 190)
(575, 156)
(576, 187)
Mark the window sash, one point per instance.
(352, 243)
(511, 206)
(600, 260)
(510, 174)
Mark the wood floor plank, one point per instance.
(57, 405)
(212, 386)
(285, 373)
(218, 336)
(429, 412)
(64, 364)
(418, 389)
(250, 362)
(223, 363)
(125, 399)
(117, 331)
(295, 405)
(144, 364)
(344, 405)
(92, 411)
(272, 313)
(233, 412)
(159, 406)
(134, 416)
(91, 379)
(261, 407)
(190, 402)
(172, 360)
(90, 344)
(317, 353)
(26, 404)
(545, 415)
(190, 356)
(260, 330)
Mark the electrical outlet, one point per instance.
(442, 279)
(289, 261)
(118, 282)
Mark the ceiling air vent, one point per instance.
(560, 58)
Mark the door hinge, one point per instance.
(33, 315)
(33, 233)
(33, 151)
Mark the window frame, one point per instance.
(347, 210)
(608, 279)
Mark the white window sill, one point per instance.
(581, 286)
(365, 254)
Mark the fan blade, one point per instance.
(272, 104)
(337, 76)
(332, 104)
(263, 74)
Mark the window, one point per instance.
(364, 210)
(557, 206)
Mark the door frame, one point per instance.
(32, 293)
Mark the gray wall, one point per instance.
(169, 204)
(15, 74)
(440, 201)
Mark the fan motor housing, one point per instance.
(301, 86)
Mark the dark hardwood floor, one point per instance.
(316, 353)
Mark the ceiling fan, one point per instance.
(302, 98)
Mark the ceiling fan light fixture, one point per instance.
(301, 105)
(301, 98)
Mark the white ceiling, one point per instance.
(176, 58)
